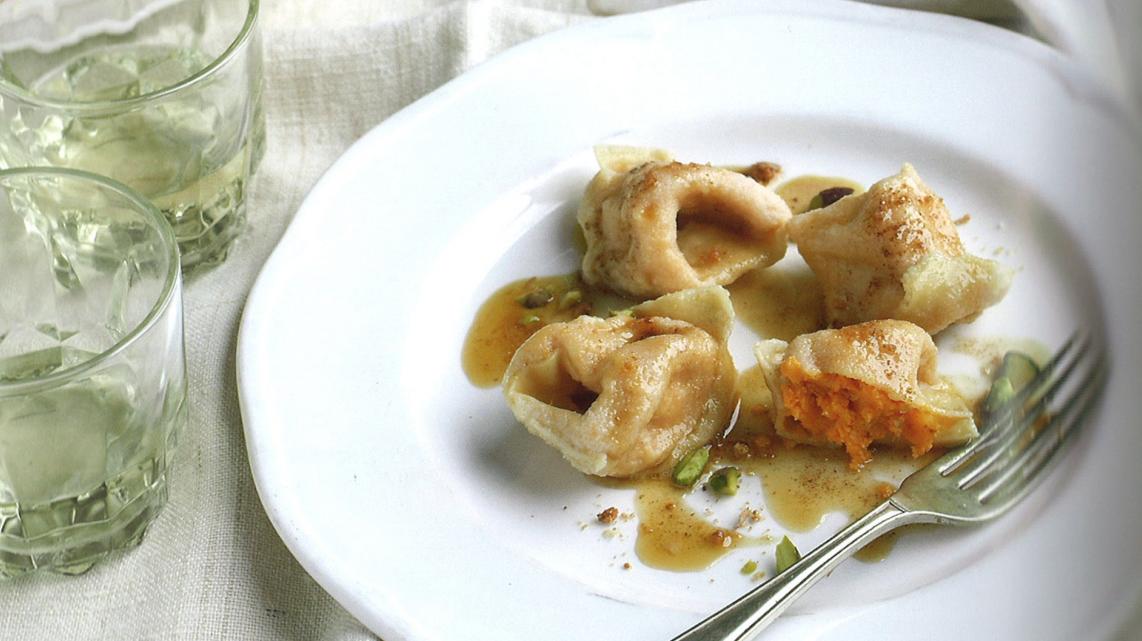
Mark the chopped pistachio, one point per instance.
(1015, 373)
(689, 468)
(1020, 368)
(1002, 391)
(816, 203)
(787, 554)
(536, 298)
(829, 196)
(570, 299)
(725, 481)
(749, 568)
(528, 319)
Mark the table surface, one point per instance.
(212, 566)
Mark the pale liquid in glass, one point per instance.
(188, 156)
(95, 478)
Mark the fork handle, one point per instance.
(751, 613)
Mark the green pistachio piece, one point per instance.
(570, 299)
(725, 481)
(828, 196)
(1016, 371)
(787, 554)
(689, 468)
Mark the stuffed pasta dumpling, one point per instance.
(893, 252)
(874, 382)
(624, 395)
(661, 226)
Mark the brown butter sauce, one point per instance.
(674, 536)
(503, 322)
(782, 301)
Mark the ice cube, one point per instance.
(102, 80)
(53, 445)
(163, 74)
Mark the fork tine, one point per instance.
(1001, 423)
(1018, 475)
(1017, 421)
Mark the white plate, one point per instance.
(420, 505)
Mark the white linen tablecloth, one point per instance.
(212, 566)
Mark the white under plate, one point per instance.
(417, 501)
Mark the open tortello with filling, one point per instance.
(874, 382)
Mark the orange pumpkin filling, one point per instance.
(851, 413)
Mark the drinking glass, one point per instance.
(92, 373)
(161, 95)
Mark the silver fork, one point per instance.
(970, 485)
